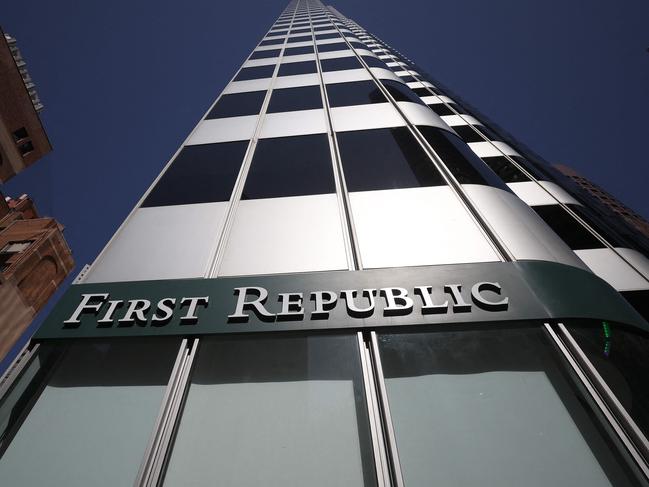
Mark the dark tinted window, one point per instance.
(598, 226)
(358, 45)
(291, 99)
(505, 169)
(401, 92)
(271, 42)
(237, 105)
(257, 72)
(265, 54)
(278, 33)
(300, 39)
(340, 63)
(467, 133)
(301, 30)
(385, 159)
(490, 134)
(337, 46)
(333, 35)
(459, 159)
(290, 166)
(305, 67)
(323, 27)
(354, 93)
(640, 301)
(568, 229)
(200, 174)
(441, 109)
(373, 62)
(424, 91)
(294, 51)
(621, 355)
(407, 79)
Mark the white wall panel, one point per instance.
(345, 76)
(363, 117)
(453, 120)
(492, 149)
(247, 85)
(610, 267)
(421, 115)
(297, 80)
(637, 260)
(300, 122)
(223, 130)
(164, 242)
(419, 84)
(535, 194)
(263, 62)
(382, 73)
(524, 233)
(416, 226)
(282, 235)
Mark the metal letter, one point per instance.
(167, 309)
(112, 306)
(459, 305)
(137, 308)
(322, 305)
(85, 305)
(352, 309)
(256, 304)
(398, 302)
(291, 309)
(482, 302)
(191, 317)
(429, 306)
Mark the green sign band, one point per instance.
(459, 293)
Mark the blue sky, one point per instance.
(124, 82)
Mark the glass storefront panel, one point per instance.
(274, 412)
(621, 356)
(92, 420)
(492, 407)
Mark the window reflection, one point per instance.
(492, 407)
(621, 356)
(274, 412)
(93, 418)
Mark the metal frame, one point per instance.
(16, 367)
(603, 398)
(382, 397)
(621, 414)
(511, 160)
(157, 451)
(374, 414)
(498, 245)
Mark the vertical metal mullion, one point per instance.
(154, 440)
(351, 240)
(387, 417)
(374, 414)
(492, 237)
(162, 454)
(218, 251)
(16, 367)
(598, 400)
(614, 404)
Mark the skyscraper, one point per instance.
(345, 277)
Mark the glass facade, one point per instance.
(403, 296)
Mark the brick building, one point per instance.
(609, 201)
(22, 137)
(34, 260)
